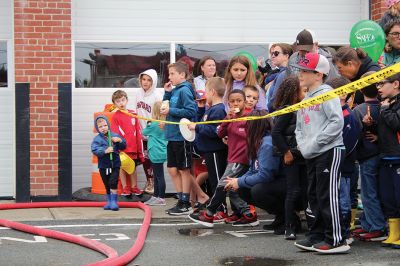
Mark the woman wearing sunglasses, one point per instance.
(280, 53)
(353, 64)
(392, 48)
(389, 146)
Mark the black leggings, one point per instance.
(110, 180)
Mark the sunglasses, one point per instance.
(381, 83)
(394, 34)
(275, 53)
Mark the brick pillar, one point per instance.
(378, 7)
(42, 34)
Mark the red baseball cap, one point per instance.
(314, 62)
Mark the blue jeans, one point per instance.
(372, 218)
(344, 195)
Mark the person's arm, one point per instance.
(97, 148)
(275, 87)
(200, 113)
(119, 145)
(139, 140)
(210, 130)
(391, 117)
(262, 101)
(222, 130)
(268, 168)
(334, 128)
(278, 138)
(189, 106)
(167, 95)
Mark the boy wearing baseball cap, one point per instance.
(319, 138)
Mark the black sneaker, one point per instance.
(326, 248)
(290, 234)
(279, 220)
(202, 218)
(168, 210)
(182, 208)
(305, 244)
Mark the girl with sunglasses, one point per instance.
(280, 53)
(239, 74)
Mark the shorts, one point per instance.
(179, 154)
(199, 166)
(134, 157)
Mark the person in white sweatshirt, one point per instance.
(319, 139)
(146, 96)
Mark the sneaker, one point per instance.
(202, 218)
(182, 208)
(126, 191)
(349, 240)
(249, 219)
(168, 210)
(279, 220)
(159, 202)
(326, 248)
(149, 187)
(290, 234)
(358, 232)
(220, 217)
(231, 218)
(373, 236)
(150, 201)
(305, 244)
(136, 191)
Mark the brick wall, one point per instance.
(378, 7)
(42, 34)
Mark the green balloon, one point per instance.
(253, 61)
(369, 36)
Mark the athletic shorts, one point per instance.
(179, 154)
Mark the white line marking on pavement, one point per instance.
(115, 225)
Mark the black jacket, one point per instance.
(389, 128)
(367, 65)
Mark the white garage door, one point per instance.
(7, 117)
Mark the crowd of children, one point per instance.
(306, 161)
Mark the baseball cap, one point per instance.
(314, 62)
(201, 95)
(304, 41)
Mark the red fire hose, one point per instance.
(113, 258)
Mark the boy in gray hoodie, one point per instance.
(319, 139)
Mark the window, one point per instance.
(3, 64)
(222, 53)
(118, 64)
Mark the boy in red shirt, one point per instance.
(129, 128)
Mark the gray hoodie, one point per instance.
(319, 127)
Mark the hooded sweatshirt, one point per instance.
(182, 104)
(319, 127)
(146, 99)
(100, 144)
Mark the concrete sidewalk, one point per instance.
(91, 213)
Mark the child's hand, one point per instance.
(231, 184)
(385, 102)
(192, 126)
(225, 140)
(161, 126)
(164, 111)
(367, 120)
(109, 150)
(371, 137)
(288, 158)
(231, 113)
(116, 139)
(168, 86)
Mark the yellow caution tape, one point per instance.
(346, 89)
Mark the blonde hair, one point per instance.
(250, 78)
(218, 84)
(155, 113)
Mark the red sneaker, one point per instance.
(136, 191)
(373, 236)
(220, 217)
(126, 191)
(231, 219)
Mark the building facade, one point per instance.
(62, 59)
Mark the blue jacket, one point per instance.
(100, 144)
(181, 105)
(207, 139)
(263, 170)
(157, 144)
(351, 129)
(271, 93)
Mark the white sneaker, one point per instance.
(159, 202)
(150, 201)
